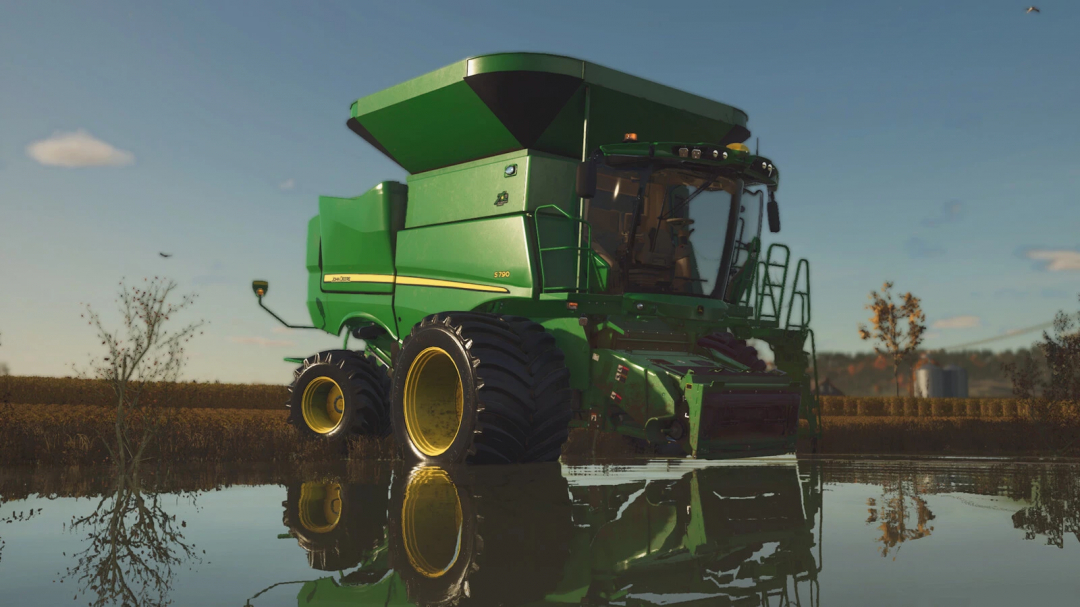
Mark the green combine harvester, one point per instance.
(575, 248)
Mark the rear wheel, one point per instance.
(551, 395)
(479, 535)
(339, 525)
(340, 394)
(462, 391)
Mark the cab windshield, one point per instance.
(666, 237)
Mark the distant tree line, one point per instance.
(871, 374)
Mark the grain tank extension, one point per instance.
(574, 247)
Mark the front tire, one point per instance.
(462, 391)
(340, 394)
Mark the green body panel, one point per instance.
(312, 261)
(481, 188)
(571, 338)
(492, 252)
(388, 592)
(462, 112)
(358, 237)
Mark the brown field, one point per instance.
(76, 434)
(64, 421)
(28, 390)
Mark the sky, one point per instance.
(933, 144)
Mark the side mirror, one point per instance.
(773, 210)
(586, 180)
(260, 287)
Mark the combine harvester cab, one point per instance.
(575, 247)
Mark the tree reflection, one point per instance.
(1054, 512)
(134, 546)
(901, 501)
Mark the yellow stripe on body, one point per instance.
(449, 284)
(412, 281)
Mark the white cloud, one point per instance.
(281, 330)
(1057, 260)
(957, 322)
(78, 149)
(288, 184)
(262, 342)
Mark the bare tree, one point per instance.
(141, 353)
(887, 329)
(133, 543)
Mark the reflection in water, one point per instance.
(651, 533)
(134, 544)
(901, 500)
(1054, 512)
(1052, 494)
(729, 535)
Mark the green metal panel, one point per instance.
(347, 309)
(313, 261)
(571, 339)
(494, 104)
(468, 191)
(357, 239)
(489, 259)
(482, 188)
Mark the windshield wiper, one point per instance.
(671, 213)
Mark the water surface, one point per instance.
(756, 532)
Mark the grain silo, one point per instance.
(956, 381)
(929, 381)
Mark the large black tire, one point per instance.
(338, 525)
(363, 400)
(550, 391)
(476, 410)
(479, 535)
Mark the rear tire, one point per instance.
(339, 525)
(462, 391)
(550, 391)
(479, 536)
(340, 394)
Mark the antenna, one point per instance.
(757, 145)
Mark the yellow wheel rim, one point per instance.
(320, 506)
(431, 522)
(323, 405)
(433, 401)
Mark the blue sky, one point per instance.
(935, 144)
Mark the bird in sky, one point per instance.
(165, 254)
(1032, 9)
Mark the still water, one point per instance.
(757, 532)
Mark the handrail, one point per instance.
(582, 259)
(768, 286)
(803, 296)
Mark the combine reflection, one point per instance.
(726, 535)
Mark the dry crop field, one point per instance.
(187, 395)
(64, 421)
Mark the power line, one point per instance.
(1008, 335)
